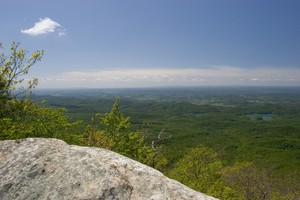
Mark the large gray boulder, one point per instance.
(51, 169)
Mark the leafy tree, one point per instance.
(287, 186)
(32, 120)
(115, 122)
(201, 170)
(12, 69)
(19, 116)
(97, 137)
(251, 182)
(115, 135)
(132, 145)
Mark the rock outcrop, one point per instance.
(51, 169)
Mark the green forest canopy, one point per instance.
(203, 139)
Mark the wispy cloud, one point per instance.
(224, 75)
(44, 26)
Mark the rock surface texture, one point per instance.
(51, 169)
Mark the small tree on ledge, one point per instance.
(13, 67)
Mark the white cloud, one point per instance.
(44, 26)
(62, 33)
(217, 76)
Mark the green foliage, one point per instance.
(30, 120)
(286, 186)
(96, 137)
(20, 117)
(201, 169)
(114, 122)
(198, 122)
(249, 181)
(12, 69)
(116, 136)
(132, 145)
(214, 118)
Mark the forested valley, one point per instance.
(228, 142)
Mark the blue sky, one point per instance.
(145, 43)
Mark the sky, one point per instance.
(153, 43)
